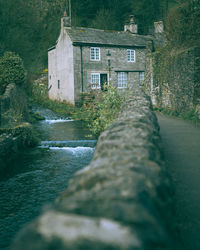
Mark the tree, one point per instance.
(183, 24)
(11, 70)
(146, 12)
(104, 20)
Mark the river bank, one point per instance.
(16, 132)
(36, 176)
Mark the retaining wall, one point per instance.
(176, 78)
(13, 141)
(120, 201)
(13, 106)
(15, 133)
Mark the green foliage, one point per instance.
(146, 12)
(40, 95)
(28, 136)
(98, 109)
(182, 24)
(176, 65)
(36, 117)
(101, 111)
(11, 70)
(103, 20)
(190, 115)
(29, 28)
(40, 89)
(34, 25)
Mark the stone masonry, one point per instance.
(176, 83)
(85, 57)
(120, 201)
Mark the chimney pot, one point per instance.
(131, 26)
(65, 21)
(158, 27)
(132, 19)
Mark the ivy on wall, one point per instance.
(174, 80)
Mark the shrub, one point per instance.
(183, 24)
(40, 89)
(102, 110)
(11, 70)
(97, 109)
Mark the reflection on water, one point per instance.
(38, 175)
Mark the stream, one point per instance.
(39, 174)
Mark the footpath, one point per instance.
(181, 144)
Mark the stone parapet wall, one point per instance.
(120, 201)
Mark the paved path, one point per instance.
(181, 142)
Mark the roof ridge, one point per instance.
(89, 28)
(110, 31)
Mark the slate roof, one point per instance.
(89, 36)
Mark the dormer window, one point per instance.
(130, 55)
(95, 54)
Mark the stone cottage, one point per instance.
(87, 58)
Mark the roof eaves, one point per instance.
(79, 43)
(52, 48)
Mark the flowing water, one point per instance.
(38, 175)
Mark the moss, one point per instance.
(36, 117)
(28, 137)
(174, 78)
(190, 115)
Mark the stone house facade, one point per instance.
(86, 58)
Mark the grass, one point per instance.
(190, 115)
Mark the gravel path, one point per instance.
(181, 142)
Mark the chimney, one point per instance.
(158, 27)
(65, 21)
(131, 26)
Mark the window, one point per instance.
(95, 80)
(95, 54)
(122, 79)
(130, 55)
(141, 76)
(58, 84)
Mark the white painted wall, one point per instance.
(61, 65)
(52, 78)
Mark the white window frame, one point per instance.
(122, 80)
(130, 54)
(141, 76)
(95, 81)
(95, 54)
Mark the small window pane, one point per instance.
(141, 76)
(122, 79)
(130, 55)
(95, 54)
(95, 80)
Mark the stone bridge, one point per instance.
(121, 200)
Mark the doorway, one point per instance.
(103, 81)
